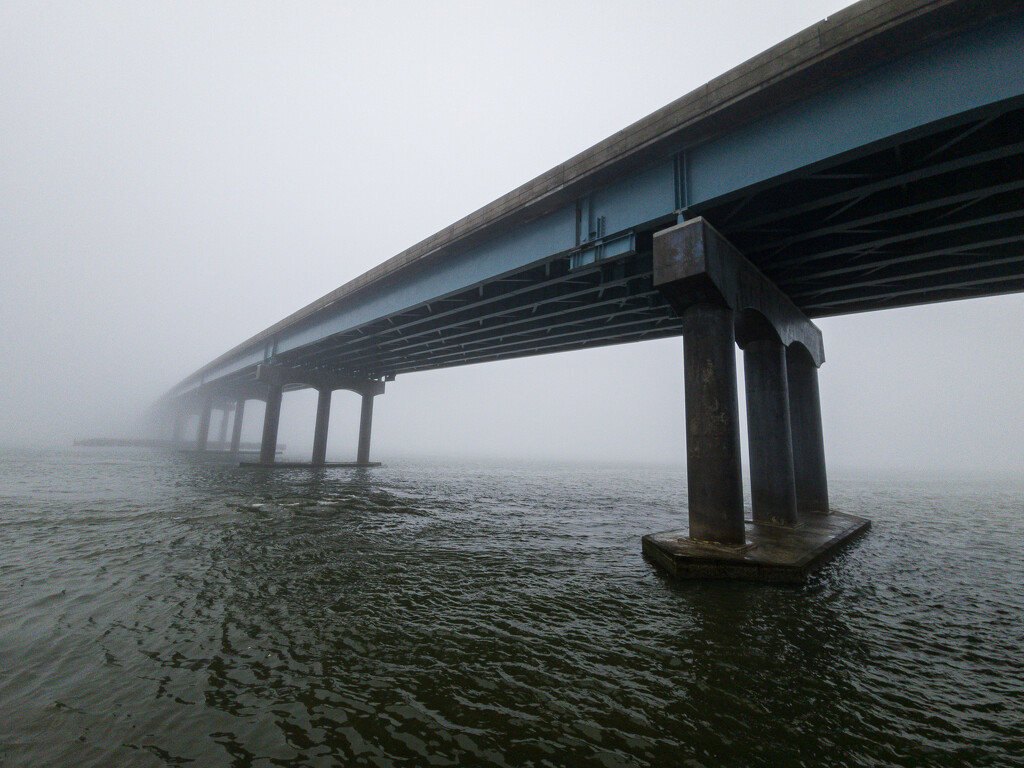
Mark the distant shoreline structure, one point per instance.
(122, 442)
(133, 442)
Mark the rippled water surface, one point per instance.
(158, 611)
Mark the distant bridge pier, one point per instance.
(365, 425)
(276, 377)
(236, 426)
(722, 300)
(225, 414)
(323, 418)
(271, 419)
(203, 433)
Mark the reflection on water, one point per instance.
(158, 611)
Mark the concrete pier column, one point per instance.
(224, 415)
(808, 441)
(203, 434)
(236, 426)
(714, 477)
(323, 418)
(365, 423)
(770, 441)
(268, 448)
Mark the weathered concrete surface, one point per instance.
(769, 437)
(808, 440)
(773, 553)
(694, 263)
(307, 464)
(715, 481)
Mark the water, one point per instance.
(156, 611)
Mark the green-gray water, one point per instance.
(158, 611)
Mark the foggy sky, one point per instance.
(175, 177)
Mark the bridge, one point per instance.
(874, 160)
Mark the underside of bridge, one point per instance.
(935, 215)
(720, 232)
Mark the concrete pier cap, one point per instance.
(322, 379)
(694, 263)
(277, 377)
(724, 300)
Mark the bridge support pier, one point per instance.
(714, 477)
(769, 437)
(271, 419)
(236, 426)
(323, 418)
(276, 376)
(365, 425)
(203, 433)
(811, 479)
(225, 414)
(722, 298)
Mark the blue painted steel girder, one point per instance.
(641, 201)
(973, 71)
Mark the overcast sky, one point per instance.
(176, 176)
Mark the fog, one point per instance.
(175, 177)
